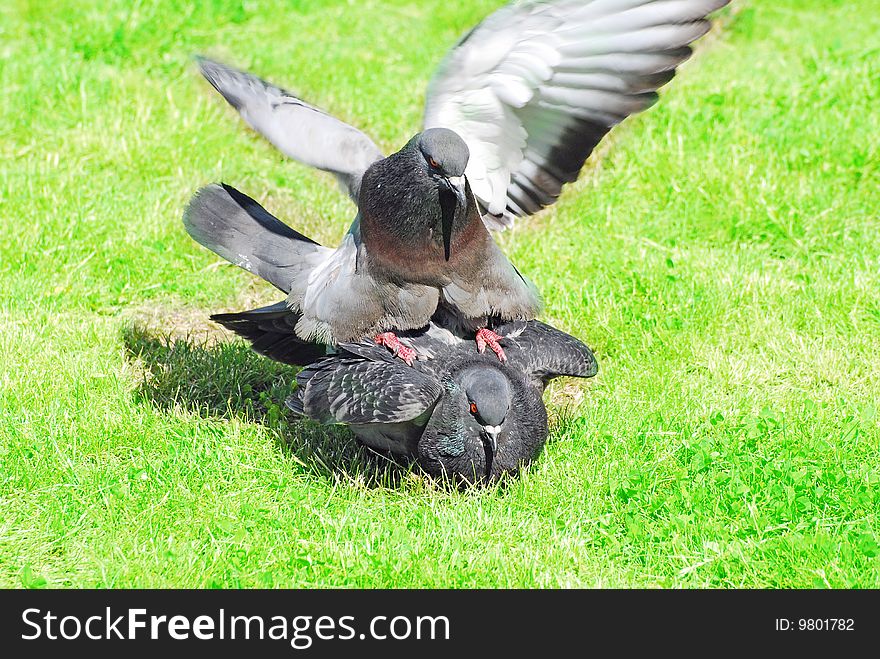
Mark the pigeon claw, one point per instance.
(486, 337)
(390, 341)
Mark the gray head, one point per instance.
(444, 156)
(445, 153)
(488, 398)
(489, 422)
(417, 193)
(481, 403)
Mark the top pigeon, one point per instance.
(531, 90)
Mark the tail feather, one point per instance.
(270, 330)
(236, 227)
(295, 403)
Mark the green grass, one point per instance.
(721, 257)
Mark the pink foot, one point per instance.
(486, 337)
(390, 341)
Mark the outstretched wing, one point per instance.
(299, 130)
(543, 353)
(349, 389)
(535, 86)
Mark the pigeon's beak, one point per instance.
(452, 196)
(492, 433)
(458, 185)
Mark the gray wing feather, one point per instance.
(544, 353)
(299, 130)
(355, 390)
(537, 85)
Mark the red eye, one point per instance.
(473, 408)
(433, 163)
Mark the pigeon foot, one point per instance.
(486, 337)
(390, 341)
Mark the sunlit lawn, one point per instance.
(721, 257)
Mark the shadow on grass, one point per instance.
(226, 380)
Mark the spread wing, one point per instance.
(535, 86)
(299, 130)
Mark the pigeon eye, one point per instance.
(473, 408)
(433, 163)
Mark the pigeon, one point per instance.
(347, 294)
(417, 250)
(511, 115)
(460, 415)
(413, 411)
